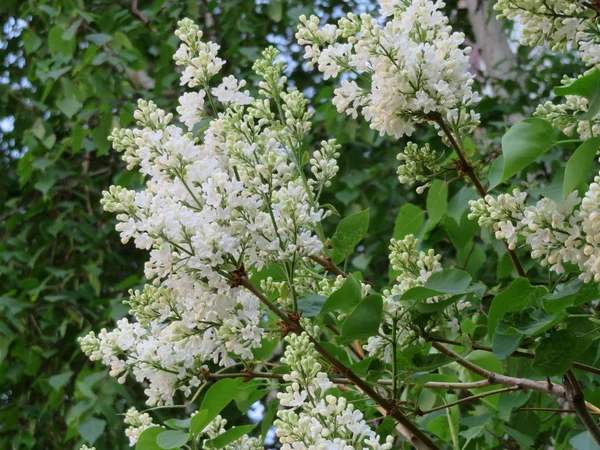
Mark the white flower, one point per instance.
(191, 108)
(411, 67)
(229, 92)
(323, 421)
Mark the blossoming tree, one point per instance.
(247, 294)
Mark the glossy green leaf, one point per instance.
(587, 86)
(178, 424)
(556, 353)
(229, 436)
(99, 38)
(409, 220)
(516, 297)
(449, 281)
(364, 321)
(58, 381)
(311, 305)
(147, 440)
(92, 429)
(523, 143)
(345, 298)
(349, 232)
(504, 344)
(275, 10)
(171, 439)
(217, 397)
(268, 417)
(437, 200)
(68, 106)
(580, 164)
(573, 293)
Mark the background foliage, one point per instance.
(71, 72)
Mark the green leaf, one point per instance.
(58, 381)
(425, 363)
(57, 43)
(556, 353)
(198, 422)
(437, 201)
(349, 232)
(68, 106)
(72, 30)
(178, 424)
(345, 298)
(580, 164)
(523, 439)
(275, 10)
(504, 344)
(311, 305)
(573, 293)
(495, 175)
(529, 321)
(229, 436)
(268, 418)
(409, 220)
(147, 440)
(449, 281)
(364, 321)
(587, 86)
(218, 396)
(45, 184)
(516, 297)
(31, 41)
(170, 439)
(584, 441)
(99, 38)
(92, 429)
(523, 143)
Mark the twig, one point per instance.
(471, 397)
(577, 401)
(496, 378)
(466, 168)
(557, 410)
(137, 13)
(328, 264)
(465, 386)
(516, 353)
(417, 435)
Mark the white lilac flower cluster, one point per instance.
(224, 195)
(418, 165)
(560, 24)
(398, 71)
(414, 268)
(314, 419)
(138, 422)
(557, 233)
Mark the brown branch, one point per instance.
(137, 13)
(516, 353)
(417, 435)
(469, 398)
(466, 168)
(576, 399)
(496, 378)
(328, 264)
(557, 411)
(465, 386)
